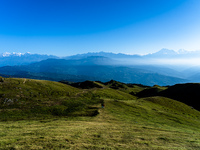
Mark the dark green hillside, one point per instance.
(151, 91)
(116, 85)
(187, 93)
(84, 85)
(132, 89)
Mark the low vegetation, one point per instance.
(37, 114)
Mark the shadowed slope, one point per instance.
(187, 93)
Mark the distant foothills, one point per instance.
(165, 67)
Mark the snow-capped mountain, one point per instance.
(12, 59)
(7, 54)
(165, 52)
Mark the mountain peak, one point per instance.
(7, 54)
(11, 59)
(166, 52)
(163, 53)
(182, 51)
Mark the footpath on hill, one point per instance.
(108, 130)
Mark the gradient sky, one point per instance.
(67, 27)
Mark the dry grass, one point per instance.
(102, 132)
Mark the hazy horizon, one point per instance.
(180, 60)
(6, 53)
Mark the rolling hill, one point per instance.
(38, 114)
(187, 93)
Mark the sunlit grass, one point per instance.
(108, 130)
(43, 118)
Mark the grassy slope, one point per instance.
(125, 123)
(25, 98)
(121, 125)
(22, 88)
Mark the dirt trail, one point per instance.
(81, 92)
(24, 81)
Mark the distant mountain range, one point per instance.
(101, 66)
(163, 53)
(25, 58)
(12, 59)
(89, 68)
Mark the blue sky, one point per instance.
(67, 27)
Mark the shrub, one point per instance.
(1, 79)
(73, 105)
(58, 110)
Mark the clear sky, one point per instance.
(67, 27)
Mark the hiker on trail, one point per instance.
(102, 105)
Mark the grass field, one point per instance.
(114, 128)
(125, 123)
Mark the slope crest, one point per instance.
(174, 105)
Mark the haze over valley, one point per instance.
(160, 68)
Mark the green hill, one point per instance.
(36, 114)
(186, 93)
(83, 85)
(27, 98)
(151, 91)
